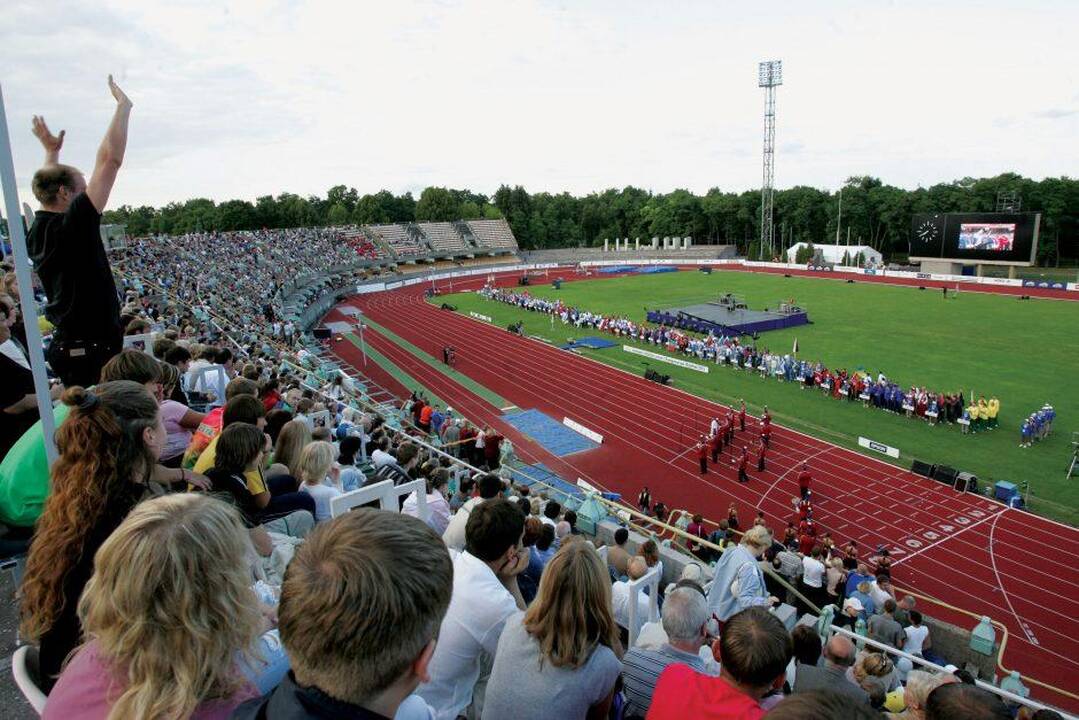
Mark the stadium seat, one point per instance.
(24, 666)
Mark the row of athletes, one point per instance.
(721, 434)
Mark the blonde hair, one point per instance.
(315, 462)
(170, 605)
(572, 614)
(758, 536)
(294, 436)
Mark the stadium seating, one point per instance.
(400, 241)
(443, 237)
(494, 234)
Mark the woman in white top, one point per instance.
(319, 477)
(917, 635)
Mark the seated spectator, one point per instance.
(617, 557)
(438, 510)
(560, 658)
(294, 437)
(180, 420)
(685, 621)
(839, 655)
(240, 451)
(881, 590)
(319, 477)
(857, 577)
(969, 702)
(154, 591)
(865, 600)
(490, 487)
(807, 650)
(739, 581)
(465, 487)
(540, 553)
(485, 594)
(108, 448)
(836, 579)
(621, 596)
(649, 550)
(18, 401)
(406, 458)
(902, 611)
(365, 564)
(211, 424)
(915, 692)
(884, 629)
(754, 650)
(874, 673)
(821, 705)
(347, 456)
(551, 511)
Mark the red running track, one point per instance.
(962, 549)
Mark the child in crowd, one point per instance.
(319, 477)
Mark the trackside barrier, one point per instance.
(649, 580)
(386, 493)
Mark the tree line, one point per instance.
(872, 213)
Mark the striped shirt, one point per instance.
(640, 671)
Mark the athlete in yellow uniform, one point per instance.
(994, 408)
(975, 415)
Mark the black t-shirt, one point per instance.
(69, 257)
(232, 488)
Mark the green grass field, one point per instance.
(1024, 352)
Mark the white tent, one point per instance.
(835, 253)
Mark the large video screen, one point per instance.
(998, 237)
(972, 237)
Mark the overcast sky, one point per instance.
(250, 97)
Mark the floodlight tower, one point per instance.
(769, 76)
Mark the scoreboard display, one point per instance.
(1004, 238)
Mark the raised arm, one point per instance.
(110, 156)
(51, 143)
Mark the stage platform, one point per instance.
(722, 320)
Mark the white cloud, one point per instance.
(243, 97)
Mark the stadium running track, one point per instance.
(962, 549)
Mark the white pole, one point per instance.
(840, 218)
(26, 286)
(363, 346)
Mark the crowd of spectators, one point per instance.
(186, 559)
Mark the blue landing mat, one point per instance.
(555, 437)
(596, 343)
(613, 269)
(653, 269)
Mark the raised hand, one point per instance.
(51, 143)
(118, 94)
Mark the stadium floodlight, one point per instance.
(770, 73)
(769, 76)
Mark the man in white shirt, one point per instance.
(813, 575)
(881, 591)
(917, 635)
(490, 486)
(620, 596)
(484, 594)
(380, 457)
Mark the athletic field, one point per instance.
(1022, 351)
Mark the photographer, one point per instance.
(65, 245)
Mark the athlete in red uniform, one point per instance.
(702, 454)
(716, 442)
(804, 480)
(761, 448)
(742, 477)
(766, 435)
(742, 417)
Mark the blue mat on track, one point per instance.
(613, 269)
(596, 343)
(653, 269)
(555, 437)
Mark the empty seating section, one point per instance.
(443, 237)
(493, 234)
(398, 239)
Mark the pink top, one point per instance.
(87, 683)
(179, 437)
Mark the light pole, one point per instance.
(363, 345)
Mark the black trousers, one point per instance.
(760, 463)
(742, 477)
(79, 362)
(715, 453)
(704, 465)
